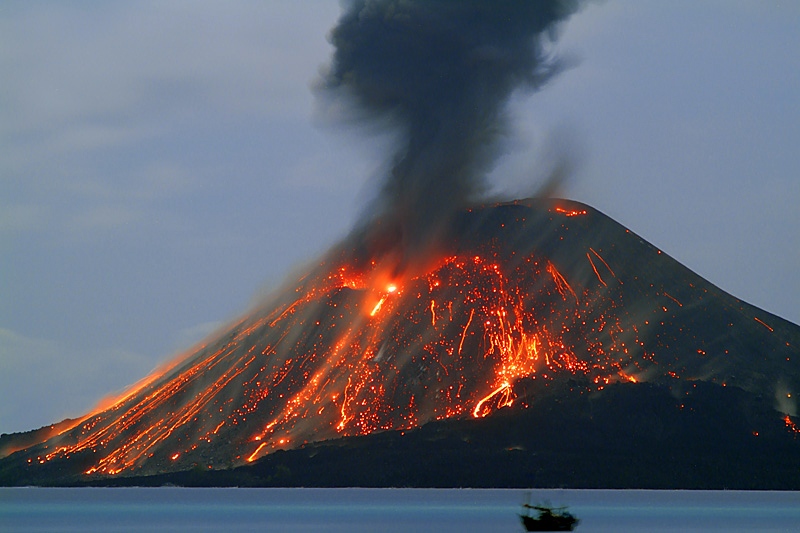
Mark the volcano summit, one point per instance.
(520, 296)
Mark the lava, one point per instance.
(359, 345)
(502, 396)
(791, 425)
(770, 328)
(570, 212)
(452, 341)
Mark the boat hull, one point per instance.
(548, 523)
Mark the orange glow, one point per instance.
(464, 333)
(255, 454)
(763, 323)
(627, 377)
(561, 283)
(602, 260)
(570, 212)
(505, 398)
(595, 269)
(390, 289)
(377, 306)
(357, 348)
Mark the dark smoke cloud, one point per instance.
(440, 72)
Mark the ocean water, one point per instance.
(386, 510)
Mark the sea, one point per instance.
(386, 510)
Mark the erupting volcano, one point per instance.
(438, 305)
(519, 295)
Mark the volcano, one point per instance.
(517, 299)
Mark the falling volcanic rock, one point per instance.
(520, 295)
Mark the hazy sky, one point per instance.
(162, 164)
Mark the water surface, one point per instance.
(386, 510)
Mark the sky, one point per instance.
(163, 165)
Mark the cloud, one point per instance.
(21, 218)
(108, 113)
(119, 60)
(44, 381)
(101, 218)
(151, 181)
(88, 205)
(117, 74)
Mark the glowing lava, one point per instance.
(360, 346)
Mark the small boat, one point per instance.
(547, 518)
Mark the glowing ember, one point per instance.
(570, 212)
(318, 370)
(360, 346)
(502, 396)
(764, 324)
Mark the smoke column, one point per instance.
(440, 73)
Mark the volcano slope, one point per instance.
(527, 315)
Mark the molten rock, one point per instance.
(519, 295)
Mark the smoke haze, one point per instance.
(439, 73)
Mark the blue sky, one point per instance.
(163, 164)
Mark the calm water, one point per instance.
(391, 510)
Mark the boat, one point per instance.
(547, 518)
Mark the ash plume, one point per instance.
(439, 73)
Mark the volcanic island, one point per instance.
(449, 340)
(543, 344)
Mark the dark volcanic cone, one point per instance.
(520, 295)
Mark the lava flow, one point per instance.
(360, 346)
